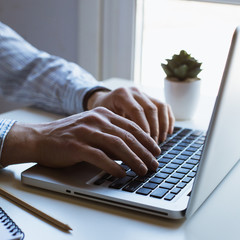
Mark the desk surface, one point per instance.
(218, 218)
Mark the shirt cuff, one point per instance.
(90, 93)
(5, 126)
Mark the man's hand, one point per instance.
(97, 136)
(153, 116)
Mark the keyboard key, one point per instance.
(161, 165)
(172, 180)
(192, 161)
(182, 157)
(169, 197)
(183, 144)
(175, 152)
(196, 145)
(181, 185)
(183, 170)
(132, 186)
(159, 193)
(173, 166)
(176, 190)
(166, 185)
(178, 175)
(188, 166)
(164, 160)
(197, 133)
(187, 153)
(143, 191)
(112, 178)
(162, 175)
(187, 179)
(195, 169)
(131, 174)
(99, 181)
(125, 167)
(192, 149)
(178, 161)
(192, 174)
(142, 178)
(119, 183)
(102, 179)
(178, 148)
(167, 170)
(170, 156)
(176, 129)
(196, 157)
(150, 185)
(156, 180)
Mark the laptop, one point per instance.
(191, 165)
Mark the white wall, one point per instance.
(50, 25)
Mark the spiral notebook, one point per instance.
(8, 228)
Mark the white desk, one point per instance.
(218, 218)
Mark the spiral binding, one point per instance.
(14, 230)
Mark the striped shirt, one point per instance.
(34, 77)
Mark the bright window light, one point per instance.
(203, 29)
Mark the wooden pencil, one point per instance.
(34, 210)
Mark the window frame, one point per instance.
(106, 37)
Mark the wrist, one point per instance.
(94, 99)
(90, 98)
(19, 145)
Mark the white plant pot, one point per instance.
(183, 97)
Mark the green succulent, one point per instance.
(182, 66)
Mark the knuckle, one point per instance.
(93, 118)
(128, 137)
(152, 109)
(117, 142)
(135, 89)
(120, 91)
(137, 109)
(133, 127)
(100, 110)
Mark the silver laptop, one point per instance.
(191, 165)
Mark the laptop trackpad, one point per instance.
(75, 175)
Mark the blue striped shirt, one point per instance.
(34, 77)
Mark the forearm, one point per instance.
(19, 145)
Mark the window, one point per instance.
(202, 28)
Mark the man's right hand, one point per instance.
(97, 136)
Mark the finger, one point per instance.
(141, 136)
(104, 142)
(171, 120)
(101, 160)
(151, 113)
(163, 118)
(128, 107)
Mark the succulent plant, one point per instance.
(182, 67)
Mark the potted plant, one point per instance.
(182, 85)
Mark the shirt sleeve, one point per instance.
(34, 77)
(5, 126)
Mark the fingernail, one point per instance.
(142, 169)
(163, 137)
(154, 164)
(157, 151)
(155, 139)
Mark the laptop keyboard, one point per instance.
(178, 162)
